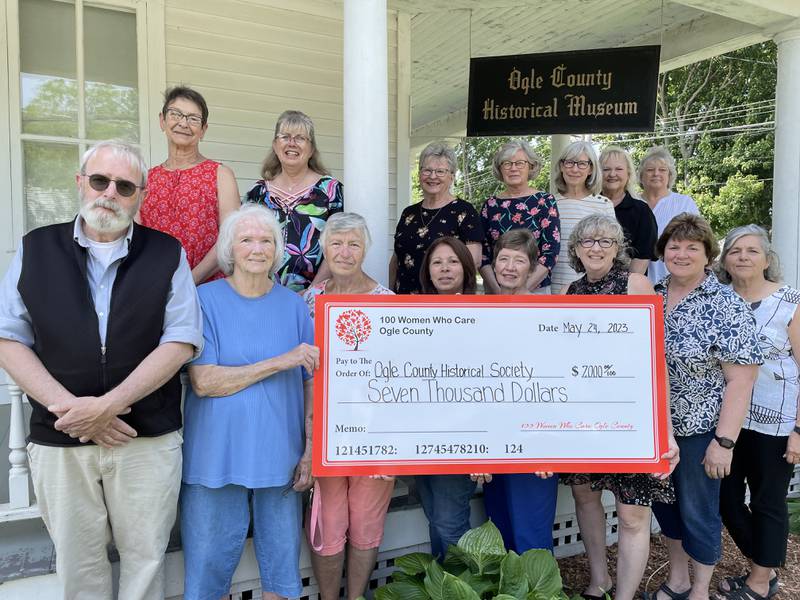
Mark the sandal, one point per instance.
(672, 594)
(734, 583)
(744, 592)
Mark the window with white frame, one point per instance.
(79, 83)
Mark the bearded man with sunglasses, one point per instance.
(97, 316)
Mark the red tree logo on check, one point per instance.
(353, 327)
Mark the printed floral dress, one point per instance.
(538, 213)
(641, 489)
(418, 227)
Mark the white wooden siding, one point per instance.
(252, 61)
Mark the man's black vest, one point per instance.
(55, 289)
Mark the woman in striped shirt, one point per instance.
(577, 180)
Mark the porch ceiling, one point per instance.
(445, 34)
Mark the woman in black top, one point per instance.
(635, 216)
(439, 214)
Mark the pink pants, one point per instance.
(348, 509)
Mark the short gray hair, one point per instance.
(227, 231)
(598, 224)
(438, 150)
(119, 149)
(773, 270)
(509, 149)
(613, 151)
(346, 221)
(594, 181)
(662, 154)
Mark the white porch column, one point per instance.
(366, 125)
(786, 185)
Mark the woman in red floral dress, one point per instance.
(188, 195)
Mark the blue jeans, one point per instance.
(214, 523)
(694, 519)
(445, 500)
(523, 507)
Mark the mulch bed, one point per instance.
(575, 569)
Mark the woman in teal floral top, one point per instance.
(520, 206)
(302, 194)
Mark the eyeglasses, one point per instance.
(517, 164)
(437, 172)
(124, 187)
(173, 114)
(602, 242)
(296, 139)
(581, 164)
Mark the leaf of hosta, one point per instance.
(541, 570)
(512, 576)
(456, 560)
(413, 563)
(387, 592)
(434, 575)
(480, 583)
(455, 589)
(402, 590)
(400, 576)
(484, 547)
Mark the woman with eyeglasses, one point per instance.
(188, 195)
(597, 249)
(301, 192)
(439, 214)
(578, 181)
(519, 206)
(657, 175)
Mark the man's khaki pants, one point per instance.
(88, 494)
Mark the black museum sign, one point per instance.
(587, 91)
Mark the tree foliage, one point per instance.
(717, 119)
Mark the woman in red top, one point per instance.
(188, 195)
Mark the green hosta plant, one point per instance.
(478, 568)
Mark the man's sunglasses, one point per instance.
(124, 187)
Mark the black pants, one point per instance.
(760, 530)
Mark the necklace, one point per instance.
(167, 164)
(423, 231)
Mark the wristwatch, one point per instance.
(797, 429)
(726, 443)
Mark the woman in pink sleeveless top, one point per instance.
(188, 195)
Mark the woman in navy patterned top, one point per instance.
(712, 360)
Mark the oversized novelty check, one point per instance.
(489, 384)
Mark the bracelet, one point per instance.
(797, 429)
